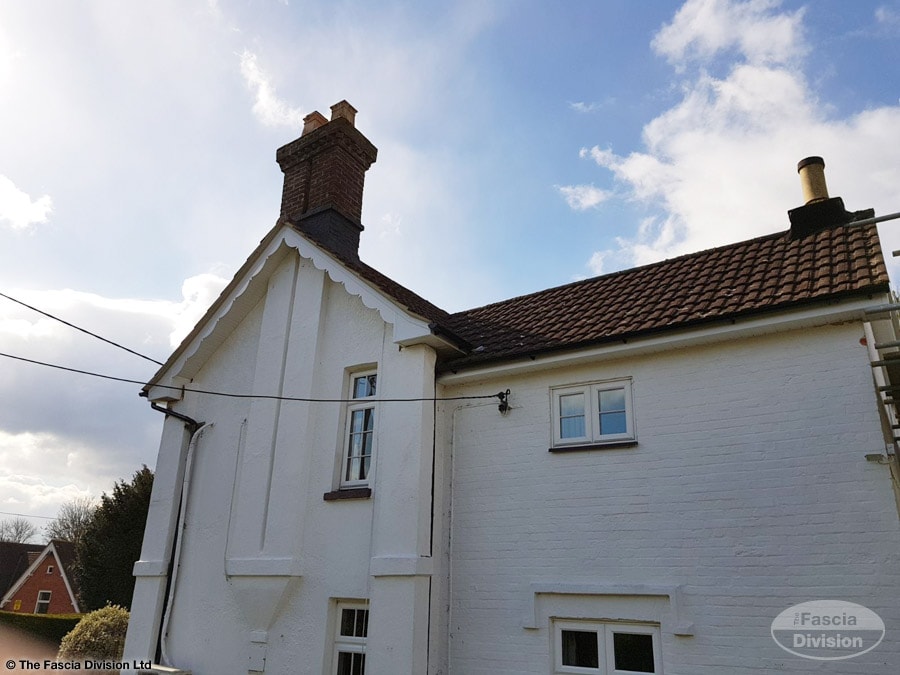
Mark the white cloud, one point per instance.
(41, 471)
(594, 106)
(702, 28)
(582, 197)
(199, 292)
(18, 209)
(268, 108)
(596, 262)
(719, 166)
(887, 17)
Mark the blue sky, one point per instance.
(521, 145)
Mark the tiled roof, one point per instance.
(764, 274)
(65, 551)
(400, 294)
(14, 561)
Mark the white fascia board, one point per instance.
(409, 328)
(250, 285)
(821, 315)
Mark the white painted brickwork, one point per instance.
(748, 490)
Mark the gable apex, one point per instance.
(413, 318)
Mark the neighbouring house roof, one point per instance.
(14, 561)
(65, 553)
(761, 275)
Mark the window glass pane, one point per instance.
(351, 663)
(353, 466)
(579, 648)
(348, 620)
(571, 416)
(613, 423)
(634, 652)
(357, 421)
(571, 405)
(571, 427)
(612, 399)
(362, 620)
(369, 419)
(364, 386)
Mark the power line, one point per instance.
(272, 397)
(83, 330)
(26, 515)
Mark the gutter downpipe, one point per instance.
(195, 428)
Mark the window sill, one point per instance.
(348, 493)
(595, 446)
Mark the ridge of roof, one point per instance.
(627, 270)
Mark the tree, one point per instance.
(72, 520)
(17, 530)
(111, 544)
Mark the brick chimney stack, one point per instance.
(324, 171)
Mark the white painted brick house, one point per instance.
(677, 454)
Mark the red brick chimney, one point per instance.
(324, 171)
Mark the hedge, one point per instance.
(50, 627)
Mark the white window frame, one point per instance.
(49, 569)
(43, 600)
(347, 643)
(356, 405)
(605, 631)
(591, 392)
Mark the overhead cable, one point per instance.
(83, 330)
(26, 515)
(273, 397)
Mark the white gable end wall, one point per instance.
(264, 558)
(748, 491)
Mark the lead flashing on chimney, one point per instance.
(819, 211)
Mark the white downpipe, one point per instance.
(179, 532)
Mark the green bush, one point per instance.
(99, 635)
(49, 627)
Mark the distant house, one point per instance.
(634, 473)
(47, 585)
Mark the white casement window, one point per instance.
(359, 436)
(49, 569)
(350, 639)
(592, 647)
(43, 602)
(593, 413)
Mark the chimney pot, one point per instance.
(812, 179)
(313, 121)
(345, 110)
